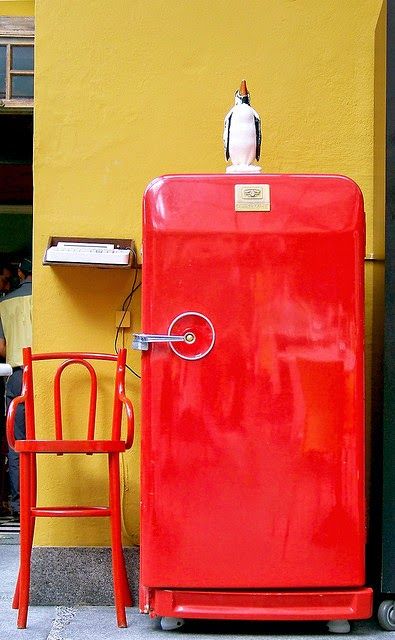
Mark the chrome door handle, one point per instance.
(141, 340)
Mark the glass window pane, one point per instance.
(22, 87)
(22, 58)
(3, 50)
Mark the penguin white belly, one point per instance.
(242, 135)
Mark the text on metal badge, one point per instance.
(252, 197)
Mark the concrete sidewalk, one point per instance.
(98, 623)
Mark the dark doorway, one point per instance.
(16, 186)
(16, 208)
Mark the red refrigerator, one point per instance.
(253, 497)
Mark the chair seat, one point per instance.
(69, 446)
(74, 512)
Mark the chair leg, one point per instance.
(25, 539)
(126, 593)
(32, 521)
(122, 594)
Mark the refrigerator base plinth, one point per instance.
(341, 604)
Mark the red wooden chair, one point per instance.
(29, 448)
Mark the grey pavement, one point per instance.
(98, 623)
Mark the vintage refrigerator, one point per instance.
(253, 497)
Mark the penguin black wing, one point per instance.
(227, 134)
(258, 134)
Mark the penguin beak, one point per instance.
(243, 89)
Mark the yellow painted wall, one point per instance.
(126, 91)
(16, 7)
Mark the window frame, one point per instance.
(16, 31)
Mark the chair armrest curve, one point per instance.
(130, 419)
(11, 413)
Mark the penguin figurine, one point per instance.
(242, 134)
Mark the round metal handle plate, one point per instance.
(199, 335)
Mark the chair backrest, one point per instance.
(83, 359)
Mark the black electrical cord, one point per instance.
(125, 307)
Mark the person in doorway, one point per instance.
(16, 333)
(4, 286)
(9, 271)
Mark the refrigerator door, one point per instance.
(252, 428)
